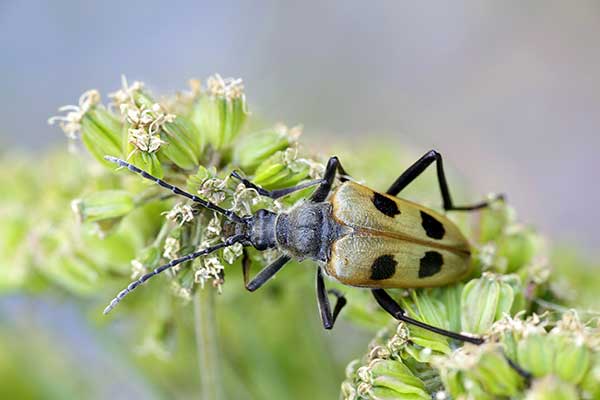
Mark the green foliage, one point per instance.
(87, 231)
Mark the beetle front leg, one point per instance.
(264, 275)
(417, 169)
(394, 309)
(327, 317)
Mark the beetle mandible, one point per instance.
(358, 236)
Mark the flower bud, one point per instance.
(105, 205)
(431, 310)
(151, 129)
(536, 355)
(516, 249)
(484, 301)
(551, 388)
(99, 129)
(183, 144)
(219, 114)
(495, 375)
(572, 359)
(253, 149)
(494, 220)
(397, 378)
(281, 170)
(478, 372)
(101, 133)
(590, 383)
(148, 162)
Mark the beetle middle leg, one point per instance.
(393, 308)
(327, 316)
(264, 274)
(418, 167)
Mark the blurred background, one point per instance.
(508, 92)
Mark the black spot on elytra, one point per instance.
(431, 264)
(383, 267)
(386, 205)
(433, 228)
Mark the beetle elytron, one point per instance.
(358, 236)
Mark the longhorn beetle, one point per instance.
(358, 236)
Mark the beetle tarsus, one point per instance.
(328, 317)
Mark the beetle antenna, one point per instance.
(211, 206)
(131, 287)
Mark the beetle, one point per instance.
(358, 236)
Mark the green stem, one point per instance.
(207, 344)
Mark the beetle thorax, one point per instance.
(307, 231)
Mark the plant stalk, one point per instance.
(207, 346)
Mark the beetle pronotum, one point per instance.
(358, 236)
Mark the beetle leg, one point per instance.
(333, 166)
(264, 275)
(392, 307)
(418, 167)
(246, 262)
(277, 193)
(327, 317)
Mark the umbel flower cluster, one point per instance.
(194, 139)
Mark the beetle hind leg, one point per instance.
(394, 309)
(327, 316)
(417, 169)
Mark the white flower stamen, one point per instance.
(71, 122)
